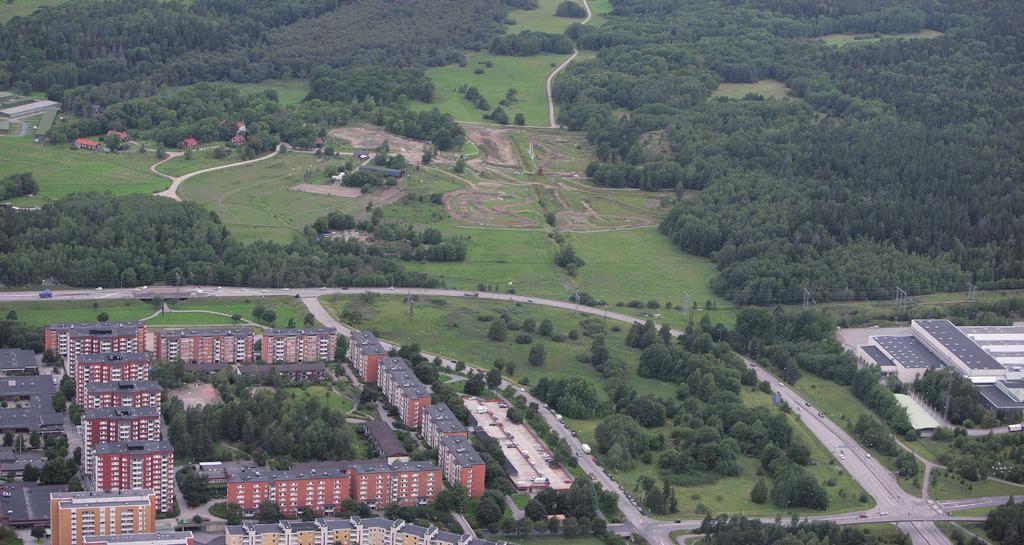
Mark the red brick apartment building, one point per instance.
(439, 422)
(299, 345)
(109, 367)
(206, 346)
(321, 489)
(117, 425)
(462, 464)
(366, 352)
(375, 482)
(73, 340)
(137, 464)
(403, 390)
(122, 393)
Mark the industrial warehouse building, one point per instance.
(992, 357)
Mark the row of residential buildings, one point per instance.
(352, 531)
(196, 346)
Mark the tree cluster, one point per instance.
(17, 185)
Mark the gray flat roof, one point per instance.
(126, 413)
(405, 378)
(109, 329)
(307, 331)
(30, 385)
(443, 417)
(16, 359)
(877, 356)
(30, 107)
(208, 332)
(27, 502)
(384, 467)
(993, 329)
(463, 451)
(134, 447)
(282, 368)
(124, 386)
(998, 399)
(908, 352)
(125, 497)
(367, 342)
(114, 358)
(39, 415)
(181, 537)
(385, 439)
(311, 471)
(954, 340)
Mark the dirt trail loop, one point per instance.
(551, 77)
(176, 181)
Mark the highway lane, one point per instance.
(869, 473)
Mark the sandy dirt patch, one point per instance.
(485, 208)
(368, 137)
(196, 395)
(494, 144)
(333, 190)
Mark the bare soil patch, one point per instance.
(334, 190)
(494, 144)
(196, 395)
(369, 137)
(478, 208)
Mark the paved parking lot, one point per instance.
(521, 445)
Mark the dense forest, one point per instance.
(99, 240)
(143, 44)
(893, 163)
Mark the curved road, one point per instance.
(176, 181)
(551, 76)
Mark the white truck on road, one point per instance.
(585, 448)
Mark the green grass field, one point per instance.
(732, 494)
(200, 160)
(542, 19)
(637, 264)
(449, 327)
(947, 488)
(841, 40)
(289, 91)
(768, 88)
(61, 170)
(333, 399)
(525, 74)
(39, 313)
(23, 8)
(976, 512)
(599, 9)
(256, 202)
(286, 308)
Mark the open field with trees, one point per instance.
(39, 313)
(60, 171)
(201, 159)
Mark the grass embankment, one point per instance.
(286, 308)
(61, 170)
(39, 313)
(450, 327)
(200, 160)
(944, 487)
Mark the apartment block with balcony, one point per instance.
(321, 489)
(462, 464)
(73, 340)
(403, 390)
(299, 345)
(133, 465)
(206, 346)
(352, 531)
(77, 515)
(109, 367)
(116, 425)
(122, 393)
(366, 352)
(439, 422)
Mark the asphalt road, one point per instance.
(893, 504)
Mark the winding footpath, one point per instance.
(172, 192)
(915, 515)
(551, 76)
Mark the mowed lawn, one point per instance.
(599, 9)
(450, 327)
(23, 8)
(289, 91)
(768, 88)
(525, 74)
(333, 399)
(286, 308)
(256, 201)
(542, 19)
(944, 487)
(200, 160)
(61, 170)
(620, 266)
(39, 313)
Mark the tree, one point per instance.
(268, 511)
(59, 402)
(475, 384)
(427, 157)
(546, 328)
(30, 474)
(309, 320)
(493, 378)
(497, 331)
(759, 494)
(535, 510)
(38, 532)
(161, 152)
(460, 164)
(12, 316)
(537, 355)
(102, 317)
(453, 498)
(233, 514)
(488, 512)
(520, 119)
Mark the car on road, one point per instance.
(884, 513)
(821, 414)
(286, 289)
(867, 454)
(862, 516)
(392, 288)
(807, 403)
(99, 288)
